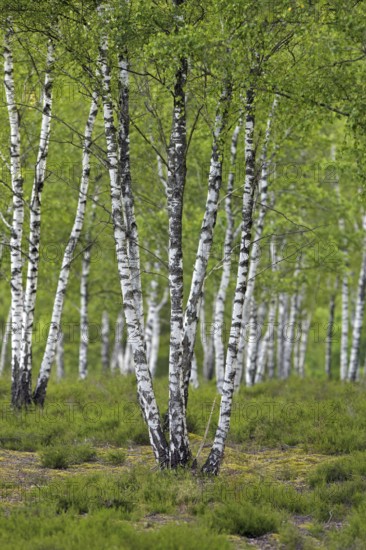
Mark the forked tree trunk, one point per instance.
(216, 454)
(49, 354)
(145, 390)
(22, 394)
(206, 235)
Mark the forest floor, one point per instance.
(89, 478)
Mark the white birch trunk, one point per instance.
(359, 313)
(118, 353)
(4, 344)
(344, 332)
(49, 354)
(145, 390)
(281, 326)
(16, 284)
(105, 341)
(206, 234)
(305, 328)
(251, 358)
(194, 372)
(291, 332)
(84, 296)
(179, 452)
(60, 354)
(219, 312)
(216, 454)
(22, 396)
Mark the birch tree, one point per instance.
(359, 313)
(53, 334)
(22, 393)
(216, 454)
(16, 284)
(220, 300)
(134, 329)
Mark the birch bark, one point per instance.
(16, 284)
(359, 313)
(219, 311)
(22, 395)
(49, 354)
(216, 454)
(145, 390)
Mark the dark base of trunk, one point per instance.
(179, 456)
(352, 377)
(213, 463)
(21, 395)
(39, 394)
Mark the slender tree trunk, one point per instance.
(84, 296)
(281, 326)
(49, 354)
(219, 313)
(16, 284)
(251, 360)
(206, 235)
(266, 346)
(179, 452)
(105, 341)
(305, 328)
(22, 396)
(290, 332)
(194, 372)
(60, 363)
(4, 344)
(117, 354)
(359, 313)
(216, 454)
(127, 195)
(206, 337)
(329, 339)
(345, 323)
(145, 390)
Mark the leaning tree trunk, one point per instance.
(4, 343)
(359, 313)
(216, 455)
(22, 396)
(330, 335)
(16, 284)
(49, 354)
(145, 390)
(219, 313)
(206, 235)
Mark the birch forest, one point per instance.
(183, 274)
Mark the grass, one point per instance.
(294, 470)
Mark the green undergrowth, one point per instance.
(294, 470)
